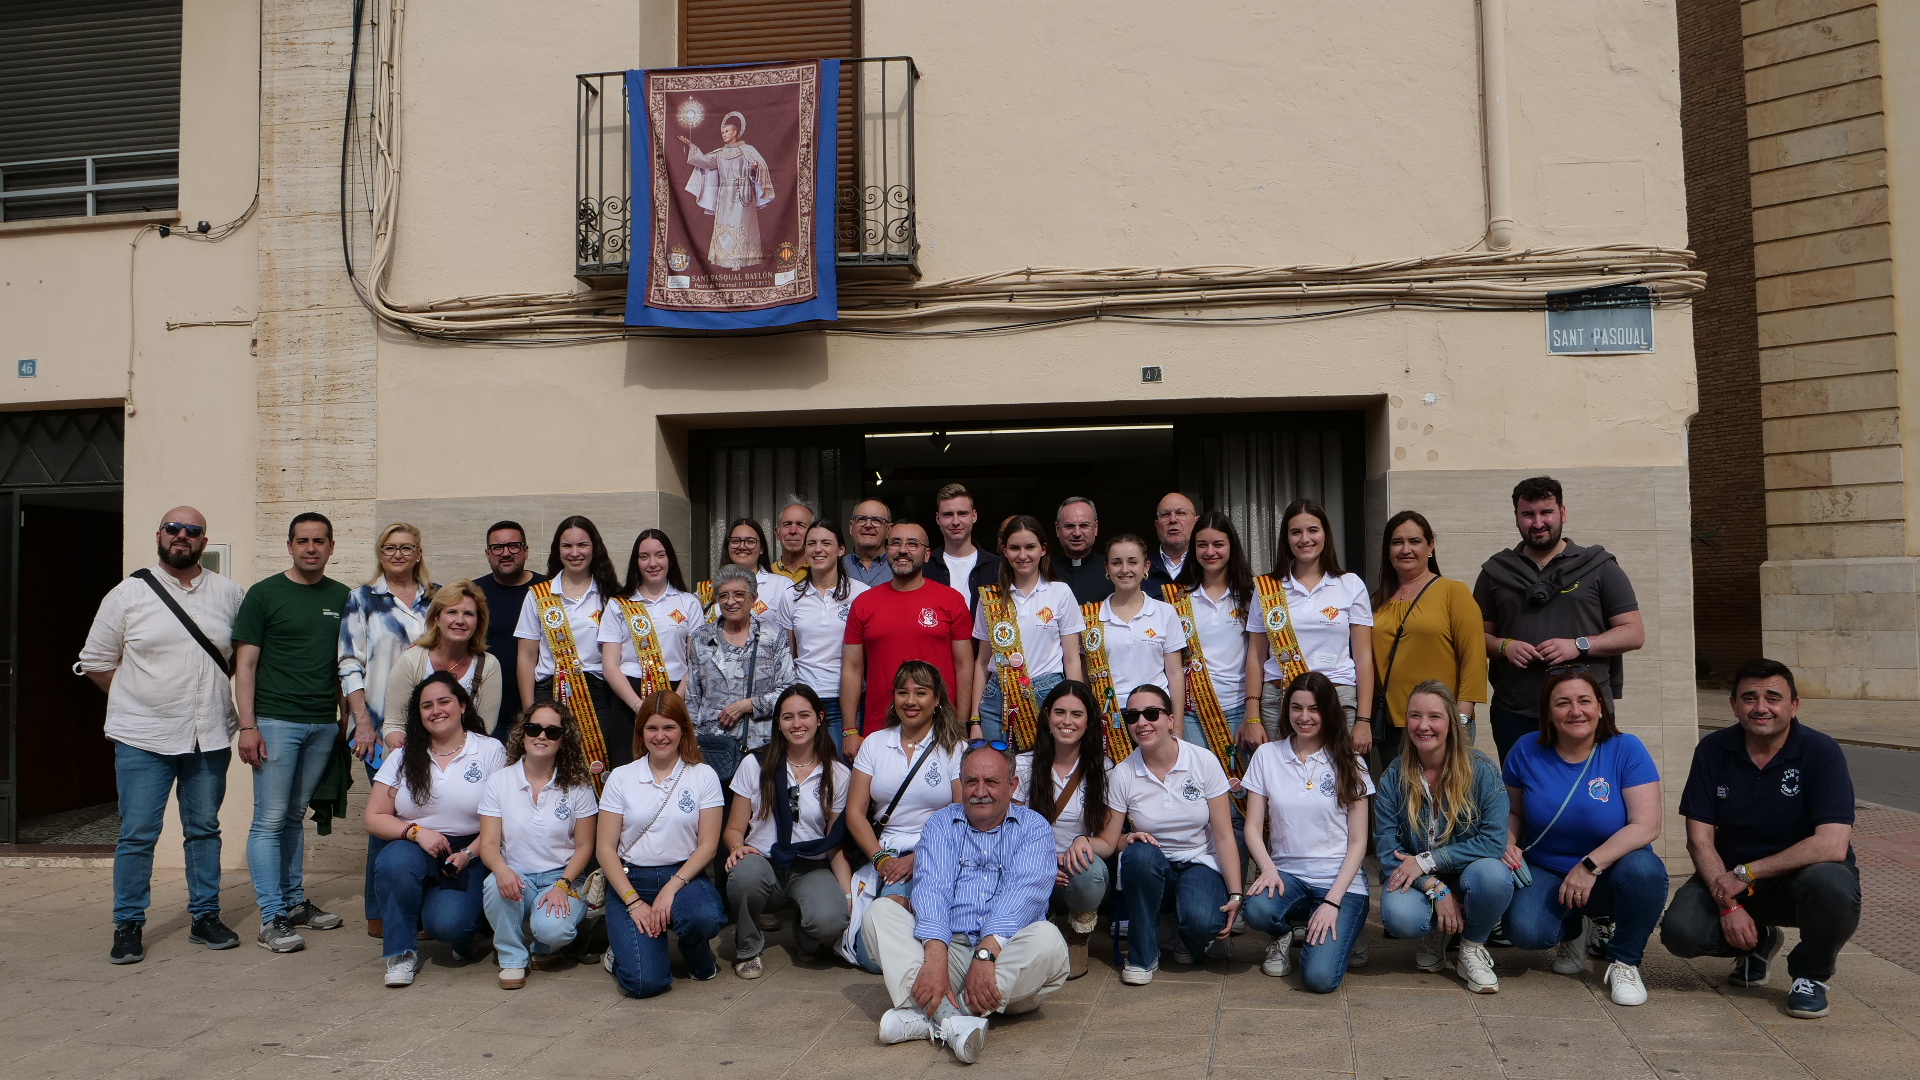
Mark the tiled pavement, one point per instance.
(190, 1013)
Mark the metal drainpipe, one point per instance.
(1493, 97)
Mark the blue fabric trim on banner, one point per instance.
(825, 305)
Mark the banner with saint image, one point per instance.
(733, 194)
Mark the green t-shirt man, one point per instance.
(296, 627)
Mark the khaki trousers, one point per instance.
(1031, 966)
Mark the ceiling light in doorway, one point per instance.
(947, 435)
(940, 441)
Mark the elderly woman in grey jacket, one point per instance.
(736, 668)
(1439, 822)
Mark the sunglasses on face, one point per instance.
(998, 744)
(1151, 714)
(543, 731)
(176, 528)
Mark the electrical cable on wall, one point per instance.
(1017, 300)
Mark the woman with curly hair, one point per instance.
(426, 806)
(536, 836)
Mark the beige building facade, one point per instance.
(1541, 139)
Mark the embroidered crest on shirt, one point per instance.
(1332, 613)
(1045, 616)
(686, 802)
(1150, 633)
(678, 616)
(1599, 790)
(1326, 784)
(933, 773)
(1720, 792)
(1190, 791)
(562, 810)
(473, 774)
(1790, 782)
(929, 618)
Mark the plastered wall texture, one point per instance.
(1839, 597)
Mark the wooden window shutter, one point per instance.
(754, 31)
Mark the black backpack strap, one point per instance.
(186, 620)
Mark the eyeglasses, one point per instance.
(1152, 714)
(505, 549)
(175, 528)
(998, 744)
(909, 545)
(543, 731)
(742, 541)
(399, 549)
(870, 519)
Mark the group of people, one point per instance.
(829, 726)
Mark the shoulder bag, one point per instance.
(1522, 877)
(186, 620)
(880, 823)
(1382, 717)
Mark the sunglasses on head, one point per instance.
(998, 744)
(175, 528)
(1152, 714)
(793, 798)
(543, 731)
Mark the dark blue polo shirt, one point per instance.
(1760, 812)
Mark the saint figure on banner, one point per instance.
(732, 183)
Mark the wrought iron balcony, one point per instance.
(873, 185)
(87, 186)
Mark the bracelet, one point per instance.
(1504, 642)
(682, 880)
(412, 831)
(849, 896)
(249, 727)
(883, 855)
(1731, 910)
(630, 896)
(1334, 904)
(1232, 896)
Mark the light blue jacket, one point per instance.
(1485, 837)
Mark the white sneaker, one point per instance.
(1624, 980)
(606, 960)
(1570, 957)
(1476, 968)
(1220, 949)
(1177, 952)
(513, 978)
(1361, 952)
(1137, 976)
(966, 1036)
(400, 969)
(905, 1025)
(1278, 963)
(1431, 953)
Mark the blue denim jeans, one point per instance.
(835, 720)
(1196, 735)
(1633, 891)
(1150, 884)
(419, 897)
(1084, 891)
(282, 787)
(992, 725)
(145, 779)
(514, 921)
(1322, 966)
(862, 952)
(1509, 728)
(640, 962)
(370, 890)
(1484, 888)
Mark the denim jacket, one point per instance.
(1484, 838)
(374, 630)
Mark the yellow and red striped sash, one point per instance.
(570, 679)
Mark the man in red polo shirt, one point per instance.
(910, 619)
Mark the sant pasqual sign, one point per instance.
(733, 195)
(1616, 319)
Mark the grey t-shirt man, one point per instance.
(1577, 594)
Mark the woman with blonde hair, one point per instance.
(381, 620)
(1440, 824)
(455, 641)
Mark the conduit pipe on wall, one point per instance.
(1493, 100)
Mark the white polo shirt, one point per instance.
(1306, 825)
(883, 758)
(818, 625)
(453, 799)
(583, 615)
(631, 792)
(1045, 615)
(1174, 810)
(1323, 621)
(1072, 821)
(810, 823)
(1221, 628)
(674, 616)
(536, 827)
(1137, 648)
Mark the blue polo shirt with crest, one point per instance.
(1759, 812)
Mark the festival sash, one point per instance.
(570, 679)
(1019, 711)
(1093, 648)
(704, 590)
(646, 645)
(1281, 644)
(1213, 718)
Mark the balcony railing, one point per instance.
(89, 186)
(873, 183)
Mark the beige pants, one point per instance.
(1031, 966)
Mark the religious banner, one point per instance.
(733, 194)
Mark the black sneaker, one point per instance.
(212, 933)
(126, 944)
(1807, 1000)
(1750, 968)
(1600, 938)
(307, 914)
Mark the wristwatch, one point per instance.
(1592, 867)
(1744, 873)
(984, 955)
(1583, 645)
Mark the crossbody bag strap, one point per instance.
(186, 620)
(1564, 802)
(672, 785)
(1386, 679)
(1066, 793)
(887, 814)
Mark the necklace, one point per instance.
(450, 753)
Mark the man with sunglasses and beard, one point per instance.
(170, 717)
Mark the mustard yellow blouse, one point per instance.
(1445, 640)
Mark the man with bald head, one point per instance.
(161, 647)
(1173, 523)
